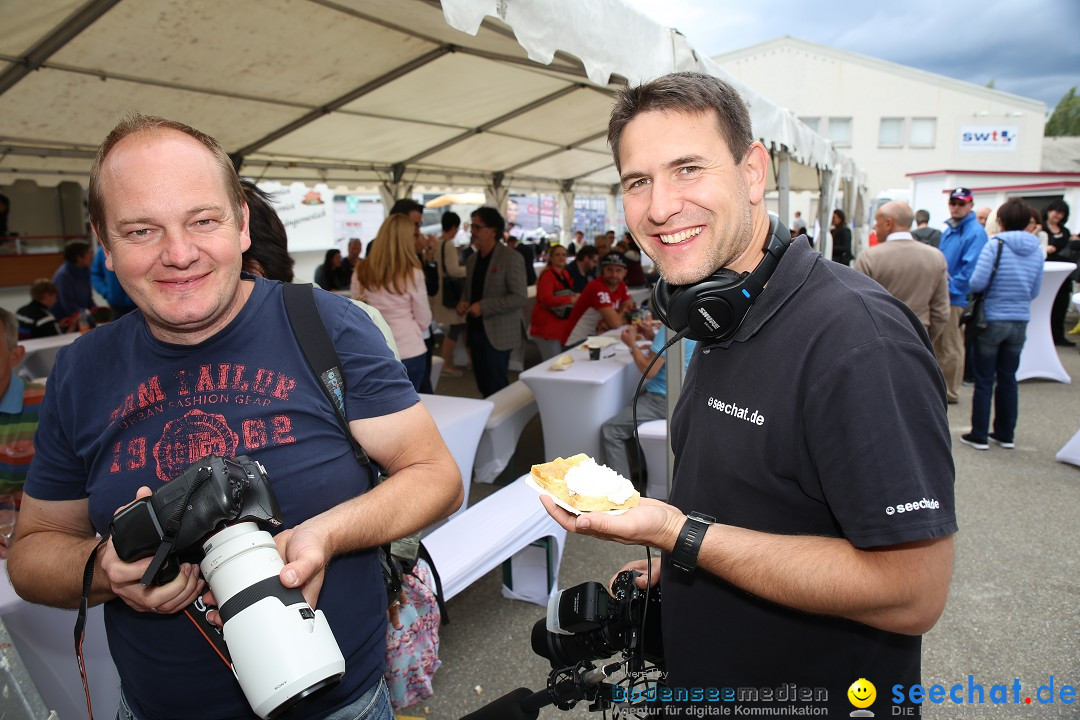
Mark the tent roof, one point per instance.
(358, 93)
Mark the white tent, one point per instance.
(395, 95)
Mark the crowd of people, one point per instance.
(775, 525)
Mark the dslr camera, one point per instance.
(283, 651)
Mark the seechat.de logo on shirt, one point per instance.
(924, 504)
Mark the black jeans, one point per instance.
(489, 365)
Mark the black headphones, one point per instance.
(714, 308)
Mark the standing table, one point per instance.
(1039, 358)
(41, 353)
(574, 403)
(461, 422)
(43, 637)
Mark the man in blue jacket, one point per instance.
(108, 285)
(961, 243)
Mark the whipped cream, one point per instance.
(589, 478)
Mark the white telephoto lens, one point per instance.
(282, 650)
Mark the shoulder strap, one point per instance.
(319, 352)
(997, 260)
(560, 278)
(440, 599)
(307, 325)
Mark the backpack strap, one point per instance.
(320, 354)
(439, 598)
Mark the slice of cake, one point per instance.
(585, 485)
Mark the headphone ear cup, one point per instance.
(661, 301)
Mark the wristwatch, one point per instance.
(684, 554)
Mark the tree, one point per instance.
(1065, 120)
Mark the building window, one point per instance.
(923, 131)
(811, 122)
(839, 131)
(891, 132)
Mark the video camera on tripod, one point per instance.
(585, 624)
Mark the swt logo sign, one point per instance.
(994, 138)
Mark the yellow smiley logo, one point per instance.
(862, 693)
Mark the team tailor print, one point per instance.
(199, 430)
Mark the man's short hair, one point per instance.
(586, 252)
(922, 217)
(450, 220)
(492, 218)
(75, 249)
(42, 287)
(11, 329)
(137, 122)
(269, 240)
(1014, 215)
(404, 206)
(686, 92)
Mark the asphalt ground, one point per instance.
(1014, 604)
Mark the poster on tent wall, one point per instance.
(356, 216)
(307, 213)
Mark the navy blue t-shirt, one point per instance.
(125, 409)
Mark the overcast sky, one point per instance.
(1029, 48)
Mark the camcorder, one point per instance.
(586, 624)
(282, 650)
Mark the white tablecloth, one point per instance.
(498, 528)
(41, 353)
(515, 406)
(575, 402)
(461, 422)
(654, 446)
(1039, 358)
(43, 637)
(640, 295)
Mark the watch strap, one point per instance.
(685, 553)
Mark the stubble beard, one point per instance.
(717, 255)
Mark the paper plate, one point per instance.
(568, 508)
(599, 341)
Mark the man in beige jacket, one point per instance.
(911, 271)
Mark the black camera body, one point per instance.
(211, 494)
(585, 623)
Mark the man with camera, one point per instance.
(210, 365)
(814, 553)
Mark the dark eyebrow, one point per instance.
(687, 160)
(677, 162)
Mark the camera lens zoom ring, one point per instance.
(267, 587)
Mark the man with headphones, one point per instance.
(800, 553)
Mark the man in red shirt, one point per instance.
(602, 302)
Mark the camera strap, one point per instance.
(172, 527)
(80, 620)
(322, 358)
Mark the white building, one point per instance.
(893, 120)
